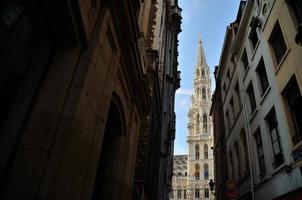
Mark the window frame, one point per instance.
(277, 30)
(252, 98)
(272, 125)
(262, 73)
(206, 193)
(244, 59)
(197, 193)
(252, 36)
(260, 154)
(293, 5)
(293, 101)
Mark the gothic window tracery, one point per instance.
(206, 152)
(203, 93)
(205, 121)
(206, 171)
(197, 169)
(197, 151)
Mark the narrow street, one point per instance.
(151, 100)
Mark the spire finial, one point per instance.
(199, 38)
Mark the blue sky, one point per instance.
(208, 18)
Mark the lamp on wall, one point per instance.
(212, 184)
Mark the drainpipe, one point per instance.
(248, 133)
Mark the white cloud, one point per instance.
(185, 91)
(185, 102)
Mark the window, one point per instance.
(196, 193)
(275, 138)
(203, 93)
(197, 169)
(228, 119)
(253, 37)
(260, 153)
(206, 171)
(206, 193)
(278, 43)
(237, 94)
(262, 76)
(197, 152)
(197, 124)
(185, 193)
(251, 95)
(178, 194)
(224, 87)
(206, 153)
(205, 120)
(297, 7)
(238, 161)
(231, 165)
(244, 60)
(203, 73)
(232, 108)
(294, 99)
(244, 153)
(228, 77)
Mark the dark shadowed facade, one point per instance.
(87, 98)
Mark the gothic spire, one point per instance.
(201, 59)
(201, 67)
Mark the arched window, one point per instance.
(197, 151)
(197, 124)
(203, 73)
(205, 121)
(113, 139)
(206, 171)
(203, 91)
(238, 161)
(197, 169)
(185, 193)
(244, 154)
(206, 193)
(197, 194)
(198, 73)
(206, 153)
(179, 192)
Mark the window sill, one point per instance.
(282, 166)
(282, 61)
(253, 114)
(265, 94)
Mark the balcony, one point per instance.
(198, 137)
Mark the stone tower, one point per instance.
(200, 133)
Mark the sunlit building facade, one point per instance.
(200, 138)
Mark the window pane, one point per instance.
(276, 148)
(278, 43)
(297, 5)
(274, 134)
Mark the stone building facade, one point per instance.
(87, 98)
(260, 81)
(200, 138)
